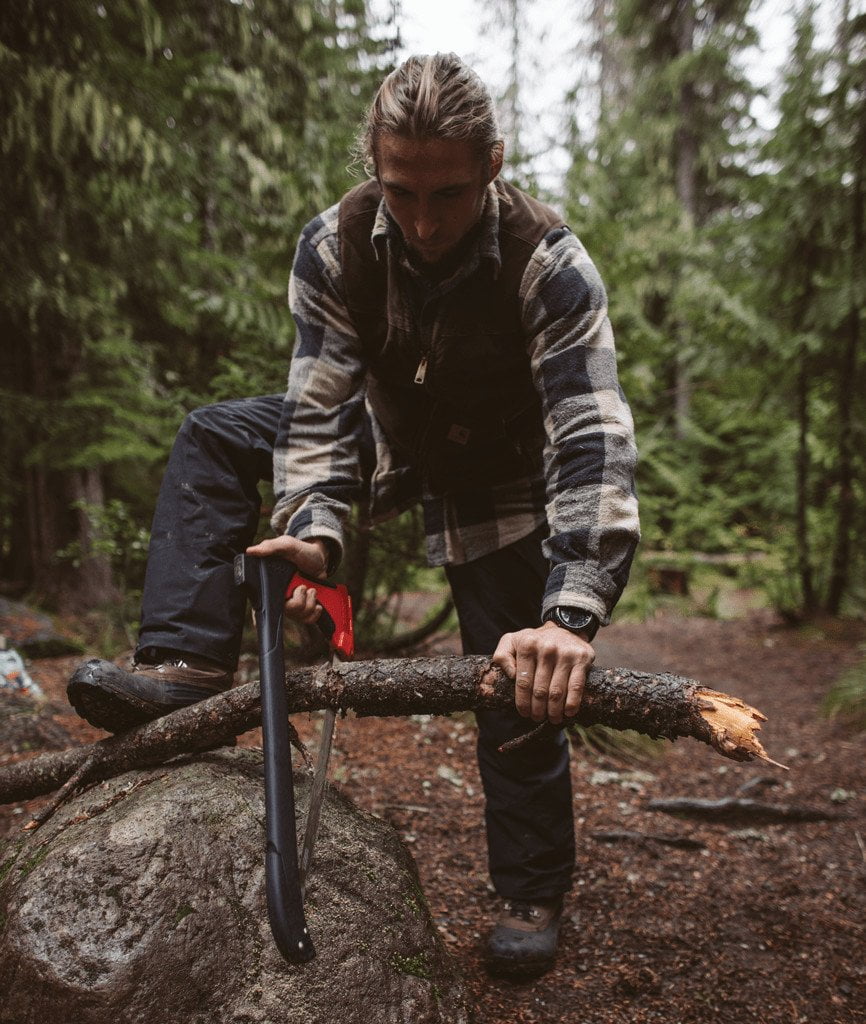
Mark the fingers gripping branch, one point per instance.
(549, 666)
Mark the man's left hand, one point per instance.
(549, 666)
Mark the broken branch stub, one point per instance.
(733, 724)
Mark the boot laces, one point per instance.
(524, 910)
(167, 663)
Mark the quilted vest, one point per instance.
(452, 390)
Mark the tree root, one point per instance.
(738, 810)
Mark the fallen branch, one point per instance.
(658, 705)
(736, 810)
(627, 835)
(314, 645)
(413, 637)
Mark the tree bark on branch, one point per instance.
(659, 705)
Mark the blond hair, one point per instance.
(431, 97)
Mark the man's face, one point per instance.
(434, 189)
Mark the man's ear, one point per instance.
(497, 156)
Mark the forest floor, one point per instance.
(763, 923)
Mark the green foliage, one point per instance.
(117, 535)
(624, 746)
(159, 161)
(809, 245)
(847, 696)
(396, 563)
(417, 965)
(736, 282)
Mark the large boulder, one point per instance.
(142, 902)
(32, 632)
(28, 725)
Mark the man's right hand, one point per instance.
(311, 559)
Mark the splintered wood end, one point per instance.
(733, 726)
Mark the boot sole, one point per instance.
(518, 970)
(105, 705)
(102, 694)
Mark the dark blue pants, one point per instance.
(208, 511)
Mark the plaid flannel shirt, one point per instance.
(584, 487)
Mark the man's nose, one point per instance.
(425, 225)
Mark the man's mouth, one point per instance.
(430, 253)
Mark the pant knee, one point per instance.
(206, 420)
(234, 429)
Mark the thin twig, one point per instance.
(526, 739)
(73, 783)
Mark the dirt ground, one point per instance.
(762, 923)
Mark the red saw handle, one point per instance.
(335, 622)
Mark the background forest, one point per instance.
(160, 157)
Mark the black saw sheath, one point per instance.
(267, 580)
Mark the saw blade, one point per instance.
(317, 795)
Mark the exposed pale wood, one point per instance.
(734, 724)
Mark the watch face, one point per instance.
(574, 618)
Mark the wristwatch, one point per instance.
(575, 620)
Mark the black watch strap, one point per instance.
(575, 620)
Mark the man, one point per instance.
(458, 329)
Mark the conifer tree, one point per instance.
(809, 240)
(159, 160)
(657, 192)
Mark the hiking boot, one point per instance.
(523, 942)
(114, 699)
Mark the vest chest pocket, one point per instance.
(475, 371)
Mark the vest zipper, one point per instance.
(421, 372)
(425, 339)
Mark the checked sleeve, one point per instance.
(317, 474)
(589, 454)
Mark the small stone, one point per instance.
(841, 796)
(447, 773)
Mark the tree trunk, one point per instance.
(59, 501)
(607, 48)
(357, 560)
(847, 390)
(658, 705)
(804, 560)
(685, 162)
(840, 561)
(94, 583)
(847, 387)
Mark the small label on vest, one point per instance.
(458, 434)
(421, 372)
